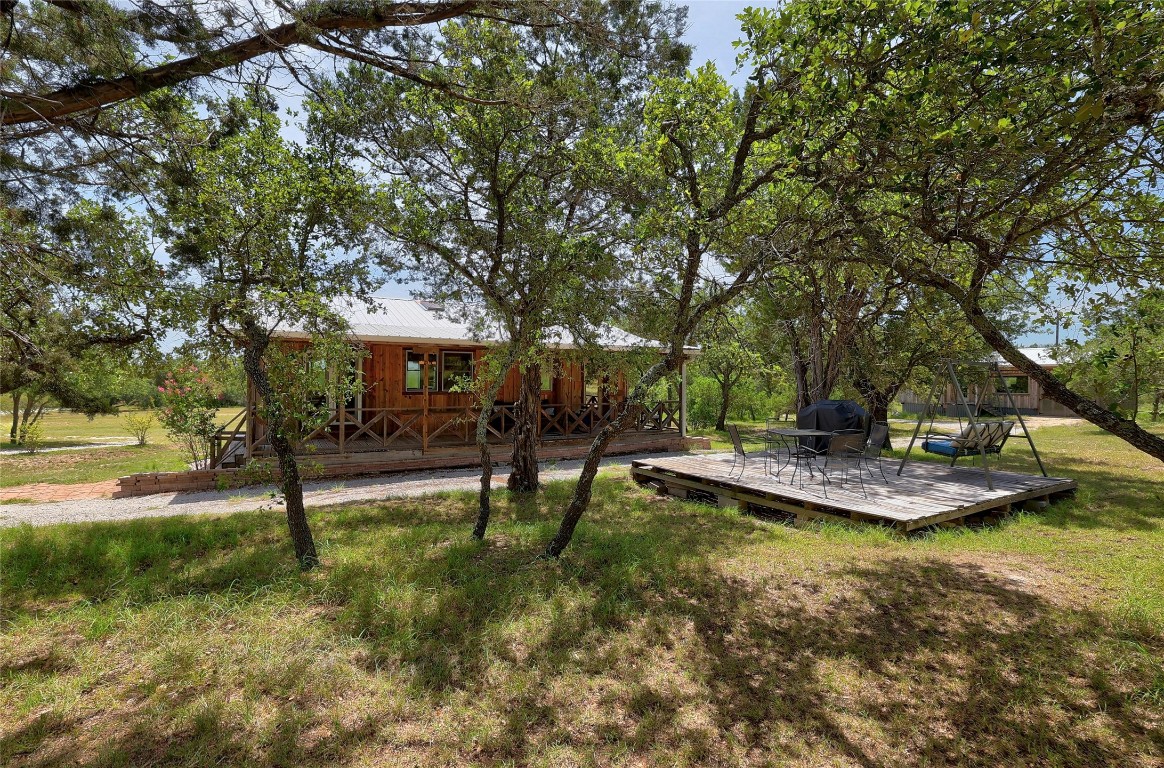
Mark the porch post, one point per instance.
(683, 397)
(424, 412)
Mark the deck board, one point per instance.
(925, 494)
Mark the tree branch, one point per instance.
(336, 16)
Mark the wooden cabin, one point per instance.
(1024, 391)
(409, 406)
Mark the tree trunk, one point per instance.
(585, 487)
(1156, 404)
(14, 433)
(877, 401)
(1055, 389)
(523, 475)
(800, 373)
(484, 509)
(290, 482)
(1135, 379)
(725, 390)
(30, 416)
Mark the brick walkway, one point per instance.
(52, 492)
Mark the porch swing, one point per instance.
(975, 437)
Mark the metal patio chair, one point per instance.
(739, 455)
(775, 449)
(801, 458)
(873, 448)
(844, 451)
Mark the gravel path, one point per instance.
(255, 498)
(102, 443)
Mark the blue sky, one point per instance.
(711, 28)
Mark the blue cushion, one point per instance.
(944, 447)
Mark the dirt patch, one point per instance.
(42, 492)
(1032, 422)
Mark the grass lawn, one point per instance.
(63, 428)
(671, 634)
(89, 465)
(96, 463)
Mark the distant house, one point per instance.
(410, 406)
(1026, 393)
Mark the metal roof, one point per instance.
(415, 321)
(1044, 356)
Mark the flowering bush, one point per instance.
(188, 413)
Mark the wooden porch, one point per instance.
(927, 494)
(420, 431)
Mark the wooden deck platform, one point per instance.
(926, 494)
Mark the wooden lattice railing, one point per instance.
(355, 430)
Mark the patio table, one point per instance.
(789, 439)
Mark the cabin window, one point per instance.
(1017, 385)
(456, 369)
(413, 377)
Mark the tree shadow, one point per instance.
(696, 653)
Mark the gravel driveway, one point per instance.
(253, 498)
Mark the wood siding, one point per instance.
(1031, 403)
(383, 371)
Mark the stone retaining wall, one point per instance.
(147, 483)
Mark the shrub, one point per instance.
(32, 436)
(189, 411)
(139, 426)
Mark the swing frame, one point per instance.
(950, 376)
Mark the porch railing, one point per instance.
(375, 429)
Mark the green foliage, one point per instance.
(268, 239)
(138, 425)
(703, 401)
(1000, 149)
(731, 358)
(1123, 356)
(257, 227)
(307, 383)
(498, 209)
(188, 413)
(32, 436)
(79, 289)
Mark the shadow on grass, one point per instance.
(897, 662)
